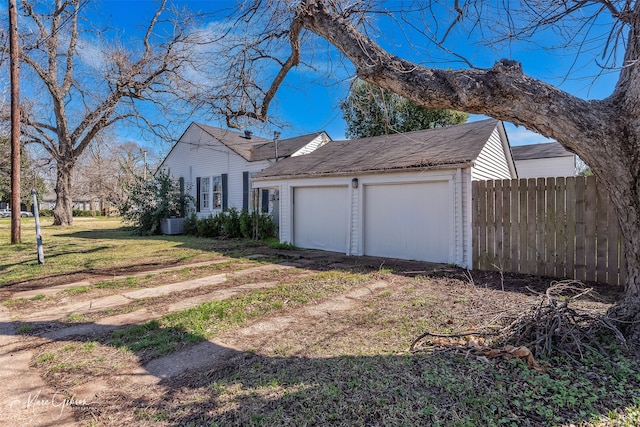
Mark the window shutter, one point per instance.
(225, 192)
(198, 194)
(265, 201)
(245, 191)
(183, 208)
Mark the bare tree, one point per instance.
(82, 86)
(604, 133)
(102, 170)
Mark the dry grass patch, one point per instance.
(68, 364)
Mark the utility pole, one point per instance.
(15, 123)
(144, 172)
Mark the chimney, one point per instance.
(247, 134)
(276, 137)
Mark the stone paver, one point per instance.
(24, 397)
(212, 353)
(83, 307)
(60, 288)
(159, 291)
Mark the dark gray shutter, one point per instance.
(183, 208)
(265, 201)
(198, 194)
(245, 191)
(225, 192)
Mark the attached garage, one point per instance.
(404, 196)
(320, 218)
(409, 221)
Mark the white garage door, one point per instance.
(320, 218)
(409, 221)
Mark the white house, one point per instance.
(544, 160)
(402, 196)
(216, 165)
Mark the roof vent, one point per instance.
(247, 134)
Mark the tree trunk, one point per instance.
(63, 211)
(622, 182)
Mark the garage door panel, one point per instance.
(409, 221)
(320, 218)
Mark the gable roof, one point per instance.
(254, 149)
(453, 145)
(235, 141)
(539, 151)
(286, 147)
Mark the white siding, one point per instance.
(446, 223)
(543, 168)
(458, 217)
(197, 154)
(467, 229)
(492, 161)
(354, 218)
(286, 210)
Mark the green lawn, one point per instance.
(350, 368)
(93, 244)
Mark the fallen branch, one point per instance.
(471, 344)
(552, 324)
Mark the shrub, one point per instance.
(266, 226)
(231, 224)
(148, 202)
(85, 213)
(210, 227)
(191, 224)
(246, 224)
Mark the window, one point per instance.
(217, 192)
(204, 193)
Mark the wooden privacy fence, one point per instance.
(558, 227)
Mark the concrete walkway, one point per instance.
(26, 400)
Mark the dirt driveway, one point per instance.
(62, 361)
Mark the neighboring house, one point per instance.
(403, 196)
(216, 165)
(544, 160)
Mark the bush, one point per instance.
(246, 224)
(210, 227)
(231, 224)
(45, 212)
(150, 201)
(84, 213)
(191, 225)
(266, 226)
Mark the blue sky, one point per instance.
(308, 100)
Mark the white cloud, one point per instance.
(518, 135)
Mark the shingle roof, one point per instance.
(539, 151)
(453, 145)
(257, 148)
(235, 141)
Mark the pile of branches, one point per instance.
(554, 324)
(558, 324)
